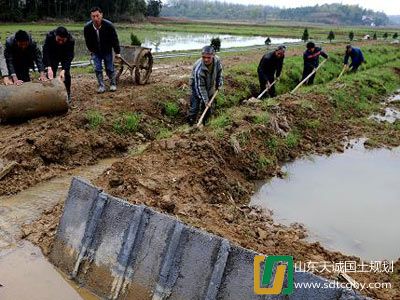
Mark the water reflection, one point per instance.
(349, 202)
(179, 41)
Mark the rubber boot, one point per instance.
(113, 83)
(100, 80)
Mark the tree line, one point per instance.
(77, 10)
(327, 13)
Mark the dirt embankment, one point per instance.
(208, 177)
(207, 180)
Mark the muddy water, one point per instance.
(24, 272)
(349, 202)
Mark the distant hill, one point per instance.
(394, 20)
(327, 13)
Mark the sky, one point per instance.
(390, 7)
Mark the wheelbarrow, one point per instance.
(136, 60)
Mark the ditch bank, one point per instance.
(208, 177)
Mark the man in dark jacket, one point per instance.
(311, 60)
(269, 67)
(58, 48)
(101, 38)
(21, 52)
(3, 67)
(206, 78)
(357, 57)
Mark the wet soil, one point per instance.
(208, 177)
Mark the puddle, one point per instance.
(349, 202)
(40, 281)
(395, 97)
(21, 282)
(391, 115)
(28, 205)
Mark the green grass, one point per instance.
(264, 162)
(243, 81)
(262, 119)
(171, 109)
(94, 118)
(156, 31)
(272, 144)
(313, 124)
(292, 139)
(164, 133)
(127, 123)
(221, 121)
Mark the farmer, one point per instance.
(101, 38)
(21, 52)
(3, 67)
(270, 68)
(357, 57)
(206, 78)
(311, 60)
(59, 48)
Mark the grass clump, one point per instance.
(262, 119)
(264, 162)
(127, 123)
(163, 133)
(220, 122)
(292, 140)
(171, 109)
(94, 118)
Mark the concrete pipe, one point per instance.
(32, 99)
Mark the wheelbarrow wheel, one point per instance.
(144, 66)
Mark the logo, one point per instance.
(284, 265)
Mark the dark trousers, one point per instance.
(263, 83)
(67, 80)
(354, 67)
(197, 105)
(22, 73)
(306, 71)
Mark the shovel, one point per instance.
(266, 90)
(199, 123)
(345, 68)
(309, 75)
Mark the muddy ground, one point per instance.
(209, 175)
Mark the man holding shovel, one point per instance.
(357, 58)
(269, 68)
(205, 80)
(311, 60)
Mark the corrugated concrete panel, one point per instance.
(124, 251)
